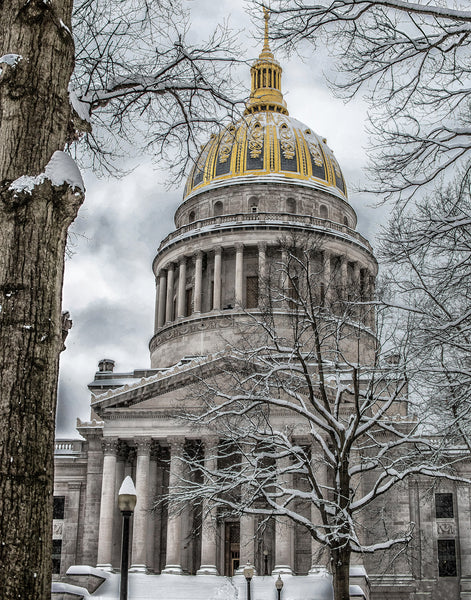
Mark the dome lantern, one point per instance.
(266, 72)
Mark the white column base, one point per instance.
(207, 570)
(282, 570)
(172, 570)
(105, 567)
(138, 569)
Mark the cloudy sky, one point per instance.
(109, 285)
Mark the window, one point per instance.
(447, 558)
(192, 217)
(345, 221)
(218, 208)
(251, 292)
(58, 507)
(291, 206)
(56, 556)
(188, 302)
(323, 211)
(444, 506)
(253, 204)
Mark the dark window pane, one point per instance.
(251, 292)
(446, 558)
(444, 506)
(58, 507)
(56, 556)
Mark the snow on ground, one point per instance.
(209, 587)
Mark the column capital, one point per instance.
(239, 246)
(170, 266)
(143, 446)
(110, 446)
(198, 254)
(262, 246)
(182, 259)
(176, 443)
(217, 249)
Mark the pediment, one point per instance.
(162, 390)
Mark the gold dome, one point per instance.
(266, 144)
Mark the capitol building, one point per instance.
(264, 179)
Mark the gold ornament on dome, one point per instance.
(226, 144)
(315, 153)
(336, 167)
(286, 141)
(255, 139)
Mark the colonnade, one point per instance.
(144, 547)
(171, 300)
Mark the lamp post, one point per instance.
(279, 586)
(126, 502)
(265, 562)
(248, 574)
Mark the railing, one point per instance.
(68, 447)
(239, 219)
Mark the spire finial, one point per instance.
(266, 16)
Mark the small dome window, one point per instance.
(253, 204)
(291, 206)
(345, 221)
(324, 213)
(218, 207)
(192, 217)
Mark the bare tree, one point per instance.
(411, 60)
(311, 409)
(429, 253)
(131, 59)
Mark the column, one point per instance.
(153, 542)
(217, 279)
(141, 512)
(162, 298)
(284, 273)
(169, 307)
(344, 277)
(327, 276)
(208, 529)
(356, 279)
(198, 281)
(181, 288)
(239, 274)
(463, 503)
(247, 532)
(262, 273)
(107, 506)
(156, 313)
(88, 542)
(283, 526)
(121, 458)
(174, 525)
(319, 556)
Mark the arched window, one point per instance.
(291, 206)
(253, 204)
(345, 221)
(218, 206)
(191, 216)
(324, 213)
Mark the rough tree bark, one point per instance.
(34, 121)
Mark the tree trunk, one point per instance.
(340, 559)
(34, 119)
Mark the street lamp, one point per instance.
(279, 586)
(248, 574)
(126, 502)
(265, 561)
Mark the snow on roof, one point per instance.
(356, 592)
(209, 587)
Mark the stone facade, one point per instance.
(209, 273)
